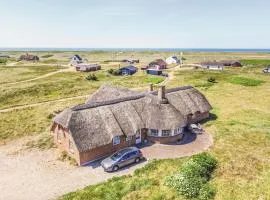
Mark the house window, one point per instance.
(153, 132)
(128, 138)
(71, 147)
(116, 140)
(166, 133)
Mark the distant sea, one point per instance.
(139, 49)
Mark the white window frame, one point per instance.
(167, 134)
(116, 140)
(152, 133)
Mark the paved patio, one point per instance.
(190, 145)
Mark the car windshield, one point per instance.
(119, 154)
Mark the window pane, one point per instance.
(153, 132)
(166, 133)
(116, 140)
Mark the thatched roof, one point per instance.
(114, 111)
(159, 62)
(110, 92)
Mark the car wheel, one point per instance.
(137, 160)
(115, 168)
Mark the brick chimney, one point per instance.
(161, 95)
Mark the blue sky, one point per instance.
(135, 23)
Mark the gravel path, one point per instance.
(35, 174)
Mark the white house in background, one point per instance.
(173, 60)
(75, 60)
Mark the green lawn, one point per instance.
(67, 84)
(19, 73)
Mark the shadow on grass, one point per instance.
(212, 117)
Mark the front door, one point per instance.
(138, 137)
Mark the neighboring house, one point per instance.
(115, 118)
(267, 69)
(75, 60)
(173, 60)
(28, 57)
(154, 72)
(87, 67)
(158, 64)
(232, 63)
(212, 65)
(128, 70)
(131, 61)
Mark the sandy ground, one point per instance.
(35, 174)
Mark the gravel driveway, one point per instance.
(34, 174)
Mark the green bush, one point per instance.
(3, 61)
(211, 80)
(206, 192)
(91, 77)
(47, 56)
(191, 180)
(245, 81)
(188, 186)
(114, 72)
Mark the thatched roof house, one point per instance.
(29, 57)
(158, 64)
(117, 117)
(232, 63)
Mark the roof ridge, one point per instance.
(123, 99)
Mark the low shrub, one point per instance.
(191, 180)
(114, 72)
(188, 186)
(3, 60)
(211, 79)
(206, 192)
(245, 81)
(91, 77)
(65, 157)
(47, 56)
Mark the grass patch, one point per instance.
(147, 183)
(238, 80)
(31, 121)
(44, 141)
(255, 62)
(66, 158)
(19, 73)
(155, 79)
(47, 56)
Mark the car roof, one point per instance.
(128, 149)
